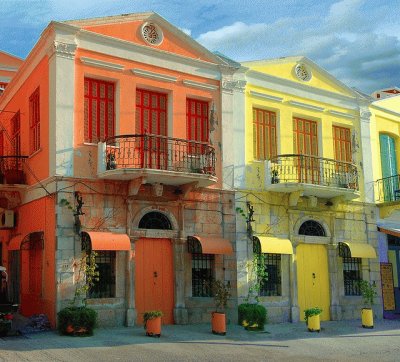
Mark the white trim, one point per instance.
(191, 83)
(5, 79)
(8, 69)
(305, 105)
(306, 91)
(266, 96)
(101, 64)
(385, 110)
(153, 75)
(341, 114)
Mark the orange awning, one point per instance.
(15, 243)
(390, 231)
(108, 241)
(211, 245)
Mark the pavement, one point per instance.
(337, 341)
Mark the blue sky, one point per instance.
(357, 41)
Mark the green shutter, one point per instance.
(389, 166)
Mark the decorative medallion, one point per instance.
(302, 72)
(152, 33)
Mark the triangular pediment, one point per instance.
(147, 29)
(300, 70)
(8, 60)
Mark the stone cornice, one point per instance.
(101, 64)
(154, 75)
(193, 84)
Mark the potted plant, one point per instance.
(311, 316)
(78, 319)
(368, 294)
(274, 178)
(152, 323)
(221, 293)
(5, 323)
(252, 316)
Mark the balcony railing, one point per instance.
(387, 189)
(11, 169)
(147, 151)
(313, 170)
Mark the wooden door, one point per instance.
(313, 279)
(306, 146)
(154, 278)
(394, 258)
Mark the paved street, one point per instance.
(337, 341)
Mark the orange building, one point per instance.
(9, 65)
(112, 143)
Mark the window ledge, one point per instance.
(35, 153)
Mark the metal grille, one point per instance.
(273, 285)
(155, 220)
(105, 286)
(311, 228)
(351, 271)
(202, 274)
(393, 240)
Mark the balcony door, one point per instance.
(389, 167)
(305, 140)
(151, 123)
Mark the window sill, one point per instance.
(35, 153)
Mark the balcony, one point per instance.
(11, 170)
(387, 189)
(312, 176)
(157, 159)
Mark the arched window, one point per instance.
(155, 220)
(311, 228)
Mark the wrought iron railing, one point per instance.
(159, 152)
(313, 170)
(388, 189)
(11, 169)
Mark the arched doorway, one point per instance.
(312, 271)
(154, 273)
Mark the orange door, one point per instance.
(154, 278)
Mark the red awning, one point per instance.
(211, 245)
(15, 243)
(109, 241)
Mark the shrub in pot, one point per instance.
(221, 293)
(77, 319)
(252, 316)
(311, 316)
(368, 294)
(152, 323)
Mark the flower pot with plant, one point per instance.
(311, 316)
(274, 177)
(221, 293)
(252, 316)
(152, 323)
(368, 294)
(77, 319)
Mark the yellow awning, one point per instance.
(361, 250)
(273, 245)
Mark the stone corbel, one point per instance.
(134, 186)
(187, 188)
(294, 197)
(336, 201)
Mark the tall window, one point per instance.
(351, 271)
(16, 134)
(34, 120)
(99, 110)
(264, 134)
(105, 286)
(197, 120)
(1, 143)
(342, 143)
(390, 181)
(151, 112)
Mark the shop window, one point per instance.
(351, 271)
(99, 121)
(264, 134)
(34, 120)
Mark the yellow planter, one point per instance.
(313, 323)
(367, 318)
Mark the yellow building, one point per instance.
(295, 150)
(385, 132)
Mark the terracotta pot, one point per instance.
(153, 327)
(218, 323)
(69, 329)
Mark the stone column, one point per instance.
(333, 269)
(180, 311)
(295, 312)
(131, 313)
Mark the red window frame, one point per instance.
(16, 134)
(342, 143)
(34, 120)
(2, 143)
(197, 124)
(264, 134)
(99, 110)
(151, 112)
